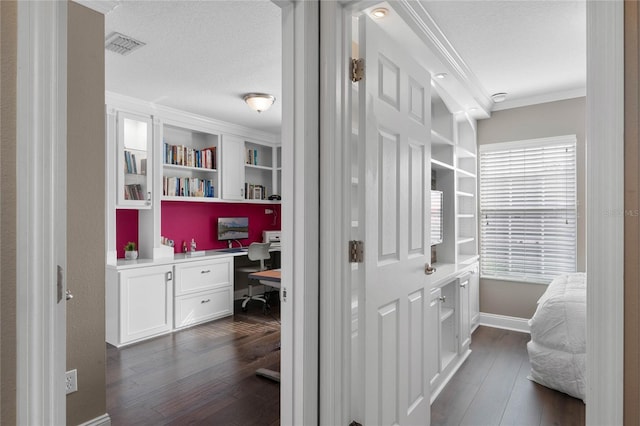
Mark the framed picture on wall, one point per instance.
(257, 193)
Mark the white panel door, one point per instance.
(395, 127)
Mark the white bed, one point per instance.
(557, 349)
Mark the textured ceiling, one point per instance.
(201, 57)
(529, 49)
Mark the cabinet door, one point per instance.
(233, 155)
(135, 161)
(146, 301)
(433, 349)
(465, 318)
(474, 296)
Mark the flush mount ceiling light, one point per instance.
(499, 97)
(440, 75)
(379, 12)
(259, 101)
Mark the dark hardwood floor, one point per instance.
(491, 388)
(201, 375)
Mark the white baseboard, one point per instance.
(505, 322)
(103, 420)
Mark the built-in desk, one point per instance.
(149, 297)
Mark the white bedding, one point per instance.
(557, 349)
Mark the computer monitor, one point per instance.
(233, 228)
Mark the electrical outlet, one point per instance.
(71, 381)
(268, 211)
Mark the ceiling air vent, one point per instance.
(122, 44)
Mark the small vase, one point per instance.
(131, 255)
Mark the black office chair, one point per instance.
(260, 252)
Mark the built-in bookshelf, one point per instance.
(466, 190)
(259, 171)
(134, 170)
(189, 165)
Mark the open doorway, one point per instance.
(189, 67)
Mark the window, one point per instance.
(528, 209)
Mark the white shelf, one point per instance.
(197, 169)
(465, 240)
(464, 153)
(465, 174)
(191, 199)
(253, 166)
(467, 258)
(466, 216)
(445, 313)
(438, 138)
(440, 165)
(464, 194)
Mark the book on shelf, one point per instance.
(187, 187)
(133, 192)
(181, 155)
(254, 191)
(252, 157)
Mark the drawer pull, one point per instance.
(205, 301)
(464, 284)
(205, 272)
(442, 299)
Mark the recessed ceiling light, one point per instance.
(440, 75)
(499, 97)
(379, 12)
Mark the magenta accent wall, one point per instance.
(126, 229)
(181, 221)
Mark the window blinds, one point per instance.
(528, 209)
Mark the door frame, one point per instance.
(41, 92)
(605, 109)
(41, 165)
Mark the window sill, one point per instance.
(515, 280)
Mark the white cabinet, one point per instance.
(203, 291)
(433, 322)
(465, 317)
(233, 157)
(135, 160)
(474, 296)
(139, 303)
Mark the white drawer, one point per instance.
(192, 277)
(204, 306)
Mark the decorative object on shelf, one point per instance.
(130, 252)
(259, 101)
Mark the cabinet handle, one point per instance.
(205, 301)
(464, 284)
(442, 299)
(169, 276)
(205, 272)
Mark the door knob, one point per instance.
(69, 295)
(428, 269)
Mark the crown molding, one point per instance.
(100, 6)
(181, 118)
(541, 99)
(419, 20)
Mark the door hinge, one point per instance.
(357, 70)
(356, 251)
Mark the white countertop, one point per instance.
(177, 258)
(445, 272)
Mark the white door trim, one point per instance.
(41, 210)
(300, 188)
(605, 261)
(605, 212)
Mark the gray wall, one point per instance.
(8, 196)
(86, 213)
(532, 122)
